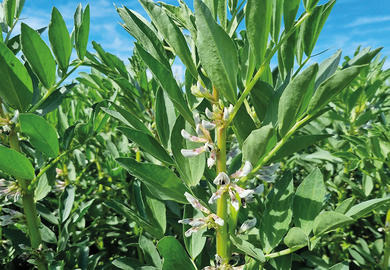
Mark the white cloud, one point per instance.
(368, 20)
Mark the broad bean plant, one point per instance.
(239, 166)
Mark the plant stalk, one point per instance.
(223, 242)
(29, 207)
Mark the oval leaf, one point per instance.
(258, 24)
(361, 209)
(15, 164)
(278, 214)
(38, 55)
(42, 135)
(331, 87)
(308, 200)
(258, 143)
(175, 257)
(161, 181)
(147, 143)
(15, 83)
(328, 221)
(217, 52)
(165, 77)
(296, 237)
(82, 20)
(293, 97)
(60, 39)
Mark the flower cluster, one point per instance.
(234, 190)
(10, 190)
(210, 221)
(203, 128)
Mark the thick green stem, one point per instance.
(223, 243)
(29, 207)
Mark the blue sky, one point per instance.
(350, 24)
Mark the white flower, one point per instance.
(195, 203)
(227, 111)
(209, 114)
(10, 190)
(186, 135)
(222, 179)
(208, 125)
(212, 159)
(244, 171)
(211, 220)
(192, 152)
(247, 225)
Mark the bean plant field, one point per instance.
(259, 158)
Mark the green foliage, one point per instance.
(122, 168)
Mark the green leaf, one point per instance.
(142, 31)
(258, 25)
(43, 136)
(66, 202)
(311, 28)
(309, 4)
(262, 95)
(243, 124)
(293, 98)
(297, 144)
(196, 242)
(127, 263)
(362, 209)
(290, 10)
(150, 251)
(328, 221)
(9, 7)
(175, 257)
(15, 164)
(248, 248)
(43, 188)
(38, 56)
(258, 143)
(172, 34)
(345, 205)
(217, 52)
(161, 181)
(364, 57)
(276, 19)
(327, 68)
(278, 213)
(60, 39)
(191, 169)
(296, 237)
(308, 200)
(340, 266)
(331, 87)
(47, 235)
(19, 7)
(162, 122)
(130, 215)
(127, 118)
(15, 83)
(165, 78)
(147, 143)
(82, 20)
(156, 211)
